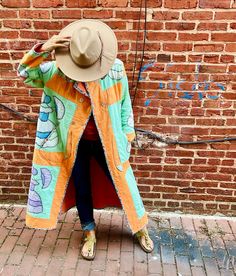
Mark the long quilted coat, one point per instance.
(64, 112)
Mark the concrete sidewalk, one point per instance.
(184, 245)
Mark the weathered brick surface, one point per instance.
(184, 245)
(186, 90)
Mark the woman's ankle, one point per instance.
(90, 233)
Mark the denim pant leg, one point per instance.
(81, 175)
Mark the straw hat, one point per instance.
(92, 50)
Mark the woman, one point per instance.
(85, 112)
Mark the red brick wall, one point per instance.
(187, 90)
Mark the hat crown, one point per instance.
(92, 50)
(85, 46)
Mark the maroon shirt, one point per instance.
(91, 132)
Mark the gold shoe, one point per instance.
(90, 242)
(144, 240)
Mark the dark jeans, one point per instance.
(81, 175)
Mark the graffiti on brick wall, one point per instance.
(197, 87)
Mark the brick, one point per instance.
(202, 197)
(54, 266)
(52, 25)
(34, 246)
(61, 244)
(8, 14)
(47, 3)
(8, 244)
(177, 47)
(194, 131)
(34, 14)
(229, 37)
(212, 68)
(233, 26)
(17, 24)
(225, 15)
(179, 26)
(209, 122)
(35, 34)
(227, 59)
(202, 26)
(232, 68)
(233, 226)
(208, 47)
(211, 58)
(161, 36)
(203, 169)
(181, 68)
(113, 3)
(130, 14)
(183, 265)
(71, 14)
(16, 3)
(220, 177)
(177, 4)
(120, 25)
(10, 269)
(197, 15)
(124, 35)
(219, 192)
(100, 262)
(224, 4)
(223, 224)
(126, 262)
(81, 4)
(154, 264)
(165, 15)
(113, 252)
(101, 14)
(211, 266)
(150, 3)
(17, 255)
(193, 37)
(174, 196)
(9, 34)
(140, 268)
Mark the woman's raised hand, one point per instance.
(54, 42)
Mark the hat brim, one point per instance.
(102, 66)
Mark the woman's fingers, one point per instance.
(62, 38)
(60, 45)
(61, 41)
(56, 41)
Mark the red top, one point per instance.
(91, 132)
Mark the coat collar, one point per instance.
(85, 87)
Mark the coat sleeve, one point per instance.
(127, 116)
(32, 67)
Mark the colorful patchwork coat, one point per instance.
(64, 112)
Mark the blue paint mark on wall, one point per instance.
(145, 67)
(198, 87)
(147, 102)
(187, 96)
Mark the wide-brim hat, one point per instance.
(91, 52)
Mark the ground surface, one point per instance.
(184, 245)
